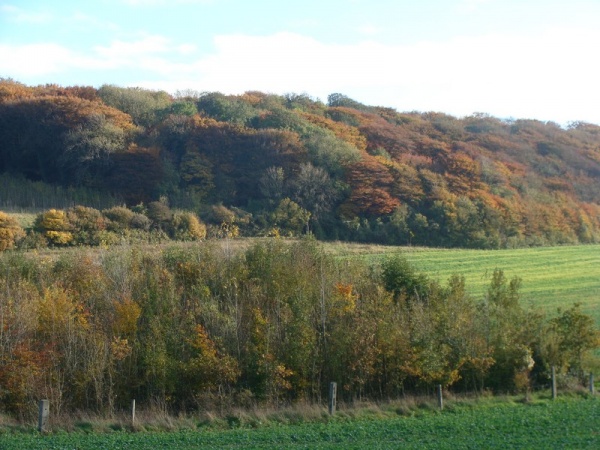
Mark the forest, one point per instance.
(266, 165)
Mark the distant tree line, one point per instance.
(291, 164)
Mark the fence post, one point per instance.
(553, 383)
(440, 397)
(44, 414)
(592, 383)
(133, 412)
(332, 397)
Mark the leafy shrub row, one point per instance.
(81, 225)
(199, 327)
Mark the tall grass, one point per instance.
(21, 195)
(508, 423)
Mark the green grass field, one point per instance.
(552, 277)
(567, 423)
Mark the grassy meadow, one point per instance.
(552, 277)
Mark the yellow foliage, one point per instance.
(209, 368)
(59, 237)
(281, 376)
(127, 313)
(203, 344)
(188, 227)
(274, 232)
(347, 133)
(59, 312)
(120, 348)
(55, 220)
(55, 226)
(229, 231)
(10, 232)
(345, 300)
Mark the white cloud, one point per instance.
(88, 22)
(187, 49)
(127, 51)
(20, 15)
(368, 29)
(34, 60)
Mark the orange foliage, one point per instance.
(382, 134)
(343, 131)
(371, 183)
(11, 91)
(463, 174)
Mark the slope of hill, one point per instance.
(285, 164)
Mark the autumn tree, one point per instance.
(208, 369)
(87, 224)
(135, 174)
(143, 105)
(509, 334)
(370, 183)
(290, 217)
(226, 108)
(314, 190)
(272, 183)
(89, 147)
(572, 336)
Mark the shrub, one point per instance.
(83, 218)
(290, 217)
(120, 217)
(33, 240)
(87, 223)
(159, 213)
(187, 227)
(10, 232)
(54, 225)
(140, 222)
(400, 278)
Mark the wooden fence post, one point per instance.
(133, 412)
(440, 397)
(332, 397)
(592, 383)
(553, 383)
(44, 414)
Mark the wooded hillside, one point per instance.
(288, 164)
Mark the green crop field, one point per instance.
(552, 277)
(567, 423)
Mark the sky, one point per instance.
(512, 59)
